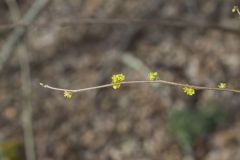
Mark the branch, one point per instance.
(142, 82)
(178, 23)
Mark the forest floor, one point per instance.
(179, 40)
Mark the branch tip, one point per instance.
(43, 85)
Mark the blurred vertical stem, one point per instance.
(27, 105)
(26, 87)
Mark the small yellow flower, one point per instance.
(235, 8)
(222, 85)
(152, 76)
(189, 91)
(117, 79)
(68, 94)
(116, 86)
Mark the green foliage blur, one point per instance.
(12, 150)
(188, 124)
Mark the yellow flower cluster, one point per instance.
(117, 79)
(222, 85)
(68, 94)
(189, 91)
(152, 76)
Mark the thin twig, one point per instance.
(141, 82)
(179, 23)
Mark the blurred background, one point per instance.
(81, 43)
